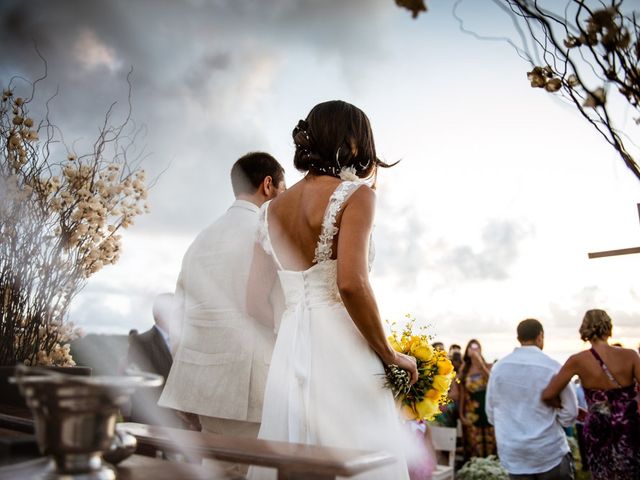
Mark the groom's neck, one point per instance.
(256, 198)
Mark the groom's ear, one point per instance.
(267, 187)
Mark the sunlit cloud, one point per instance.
(92, 54)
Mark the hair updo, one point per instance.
(595, 324)
(334, 136)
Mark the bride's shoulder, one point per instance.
(362, 199)
(362, 193)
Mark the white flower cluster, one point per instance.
(55, 340)
(21, 133)
(91, 198)
(486, 468)
(59, 223)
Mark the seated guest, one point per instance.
(149, 352)
(529, 433)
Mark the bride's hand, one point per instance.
(408, 363)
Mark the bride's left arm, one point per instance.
(261, 279)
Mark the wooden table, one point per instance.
(292, 461)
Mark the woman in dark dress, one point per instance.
(609, 376)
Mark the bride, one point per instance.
(325, 384)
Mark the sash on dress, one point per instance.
(299, 389)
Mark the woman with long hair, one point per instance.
(478, 435)
(325, 383)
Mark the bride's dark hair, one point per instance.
(336, 135)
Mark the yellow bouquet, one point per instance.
(422, 400)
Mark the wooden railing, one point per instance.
(292, 461)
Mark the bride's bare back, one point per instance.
(295, 220)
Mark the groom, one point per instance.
(222, 355)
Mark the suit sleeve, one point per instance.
(136, 357)
(177, 315)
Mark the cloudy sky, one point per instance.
(501, 192)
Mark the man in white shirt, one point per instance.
(221, 354)
(530, 437)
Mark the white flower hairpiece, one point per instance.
(349, 173)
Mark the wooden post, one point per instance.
(620, 251)
(612, 253)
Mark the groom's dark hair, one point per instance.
(529, 329)
(251, 169)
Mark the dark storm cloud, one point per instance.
(192, 63)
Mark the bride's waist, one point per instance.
(316, 300)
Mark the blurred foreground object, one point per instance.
(75, 419)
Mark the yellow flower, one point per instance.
(408, 412)
(442, 383)
(433, 394)
(427, 409)
(422, 351)
(445, 367)
(394, 343)
(407, 342)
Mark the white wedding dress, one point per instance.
(325, 384)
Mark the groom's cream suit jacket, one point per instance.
(222, 359)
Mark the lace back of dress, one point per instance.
(262, 233)
(324, 248)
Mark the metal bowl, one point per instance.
(75, 417)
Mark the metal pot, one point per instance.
(75, 418)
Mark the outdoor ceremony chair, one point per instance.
(444, 440)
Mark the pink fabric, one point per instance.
(421, 467)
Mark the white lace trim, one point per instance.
(262, 233)
(329, 228)
(332, 282)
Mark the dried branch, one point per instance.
(589, 56)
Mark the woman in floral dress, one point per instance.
(478, 434)
(609, 376)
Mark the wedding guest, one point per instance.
(438, 346)
(478, 434)
(455, 350)
(149, 352)
(529, 433)
(455, 355)
(222, 354)
(609, 376)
